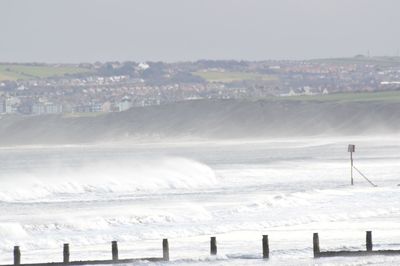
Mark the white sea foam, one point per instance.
(12, 231)
(288, 190)
(102, 177)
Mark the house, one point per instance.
(46, 108)
(11, 105)
(124, 104)
(2, 106)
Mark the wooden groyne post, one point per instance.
(66, 253)
(17, 255)
(316, 245)
(213, 251)
(114, 261)
(369, 241)
(165, 249)
(265, 246)
(114, 250)
(213, 245)
(352, 253)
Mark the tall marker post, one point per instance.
(351, 149)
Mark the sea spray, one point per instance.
(95, 179)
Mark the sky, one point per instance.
(72, 31)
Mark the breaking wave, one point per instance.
(103, 177)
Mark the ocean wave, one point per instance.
(102, 177)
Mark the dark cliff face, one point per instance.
(208, 119)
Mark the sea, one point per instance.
(138, 193)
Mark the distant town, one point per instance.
(37, 89)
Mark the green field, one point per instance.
(384, 96)
(384, 61)
(226, 76)
(20, 71)
(72, 115)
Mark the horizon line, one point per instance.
(359, 56)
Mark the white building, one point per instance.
(46, 108)
(11, 105)
(2, 106)
(125, 104)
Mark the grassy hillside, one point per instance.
(209, 119)
(384, 96)
(20, 71)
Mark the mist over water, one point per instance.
(209, 119)
(101, 177)
(237, 190)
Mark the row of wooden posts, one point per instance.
(345, 253)
(115, 258)
(213, 251)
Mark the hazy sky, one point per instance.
(175, 30)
